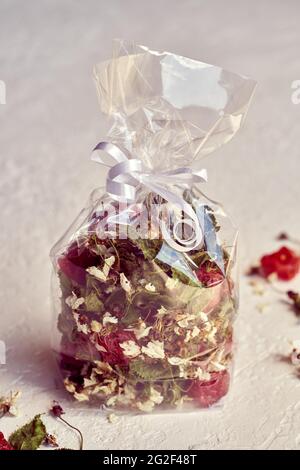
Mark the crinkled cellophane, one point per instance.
(140, 326)
(152, 330)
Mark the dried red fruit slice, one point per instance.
(206, 393)
(284, 262)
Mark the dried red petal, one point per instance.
(111, 343)
(284, 263)
(206, 393)
(209, 274)
(56, 410)
(75, 262)
(4, 444)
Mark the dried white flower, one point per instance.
(90, 382)
(191, 334)
(161, 311)
(155, 396)
(81, 396)
(211, 331)
(195, 332)
(182, 371)
(82, 327)
(154, 349)
(146, 406)
(201, 374)
(203, 316)
(109, 387)
(96, 326)
(130, 348)
(74, 302)
(188, 336)
(142, 331)
(261, 307)
(112, 418)
(8, 404)
(112, 401)
(125, 283)
(69, 386)
(217, 366)
(150, 287)
(183, 320)
(177, 330)
(257, 287)
(102, 274)
(176, 361)
(108, 318)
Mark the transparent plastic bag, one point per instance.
(145, 287)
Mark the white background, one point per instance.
(47, 128)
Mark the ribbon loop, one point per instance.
(125, 174)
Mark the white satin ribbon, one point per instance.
(126, 174)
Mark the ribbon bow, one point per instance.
(127, 174)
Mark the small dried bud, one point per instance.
(56, 410)
(282, 236)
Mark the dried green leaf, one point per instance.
(30, 436)
(146, 371)
(149, 247)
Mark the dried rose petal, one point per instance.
(284, 263)
(111, 343)
(75, 262)
(4, 444)
(206, 393)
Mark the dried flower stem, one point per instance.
(76, 429)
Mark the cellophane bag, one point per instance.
(145, 288)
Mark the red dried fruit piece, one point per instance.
(75, 262)
(206, 393)
(209, 274)
(284, 263)
(111, 343)
(4, 444)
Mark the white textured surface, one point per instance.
(48, 126)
